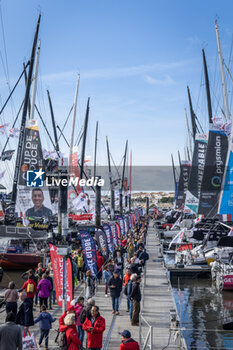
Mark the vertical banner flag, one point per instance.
(101, 240)
(212, 181)
(129, 221)
(118, 229)
(196, 173)
(108, 231)
(57, 263)
(183, 183)
(126, 223)
(69, 282)
(114, 235)
(89, 251)
(122, 225)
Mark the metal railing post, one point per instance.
(151, 338)
(140, 331)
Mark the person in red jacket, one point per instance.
(70, 310)
(100, 262)
(30, 287)
(72, 338)
(127, 342)
(95, 327)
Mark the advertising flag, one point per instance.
(196, 173)
(69, 282)
(57, 263)
(108, 231)
(114, 234)
(89, 252)
(122, 225)
(212, 181)
(118, 229)
(101, 240)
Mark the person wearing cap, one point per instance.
(127, 343)
(115, 285)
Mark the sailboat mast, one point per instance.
(73, 120)
(31, 116)
(207, 87)
(122, 180)
(221, 64)
(24, 115)
(96, 139)
(53, 122)
(111, 183)
(188, 131)
(123, 172)
(174, 170)
(84, 138)
(194, 127)
(130, 180)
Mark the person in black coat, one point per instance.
(135, 267)
(115, 285)
(135, 296)
(24, 316)
(142, 255)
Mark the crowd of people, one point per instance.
(121, 272)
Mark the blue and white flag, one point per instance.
(108, 231)
(89, 252)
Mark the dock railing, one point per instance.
(147, 342)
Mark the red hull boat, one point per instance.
(17, 261)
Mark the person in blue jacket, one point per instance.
(45, 320)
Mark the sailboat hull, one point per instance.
(10, 261)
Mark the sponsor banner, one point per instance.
(226, 199)
(126, 223)
(108, 231)
(69, 282)
(89, 251)
(114, 234)
(213, 173)
(82, 217)
(32, 156)
(122, 225)
(102, 241)
(33, 203)
(118, 229)
(183, 183)
(129, 221)
(83, 204)
(196, 173)
(74, 169)
(57, 263)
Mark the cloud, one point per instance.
(193, 40)
(167, 81)
(116, 72)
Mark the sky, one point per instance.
(135, 60)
